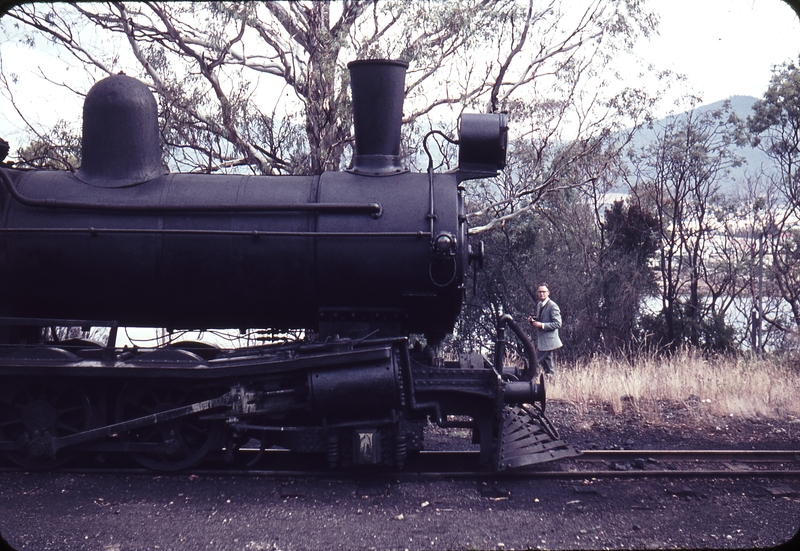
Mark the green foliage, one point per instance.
(775, 121)
(678, 177)
(714, 333)
(59, 149)
(558, 243)
(631, 231)
(263, 86)
(775, 128)
(631, 241)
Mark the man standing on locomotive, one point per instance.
(546, 320)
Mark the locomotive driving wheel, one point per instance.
(33, 412)
(176, 444)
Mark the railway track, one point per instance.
(461, 464)
(684, 463)
(692, 455)
(648, 463)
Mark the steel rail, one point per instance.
(675, 455)
(689, 455)
(521, 473)
(418, 470)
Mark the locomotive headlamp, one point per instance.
(483, 141)
(445, 243)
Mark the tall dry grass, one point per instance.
(739, 386)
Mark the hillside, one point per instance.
(754, 158)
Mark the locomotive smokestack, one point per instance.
(378, 87)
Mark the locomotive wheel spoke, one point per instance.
(68, 411)
(183, 442)
(10, 415)
(40, 410)
(195, 429)
(68, 428)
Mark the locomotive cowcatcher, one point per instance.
(361, 260)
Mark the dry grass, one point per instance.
(743, 387)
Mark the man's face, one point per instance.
(543, 293)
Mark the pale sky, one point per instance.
(724, 47)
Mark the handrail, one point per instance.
(374, 209)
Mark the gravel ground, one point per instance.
(684, 425)
(42, 511)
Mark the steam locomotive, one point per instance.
(359, 259)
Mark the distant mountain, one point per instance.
(742, 106)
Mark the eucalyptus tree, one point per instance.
(559, 240)
(677, 177)
(775, 128)
(629, 241)
(254, 84)
(264, 85)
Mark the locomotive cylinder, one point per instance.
(355, 391)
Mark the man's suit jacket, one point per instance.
(547, 337)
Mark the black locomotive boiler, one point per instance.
(359, 259)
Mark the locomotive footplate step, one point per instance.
(528, 438)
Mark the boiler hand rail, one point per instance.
(374, 209)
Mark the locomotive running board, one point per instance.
(528, 438)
